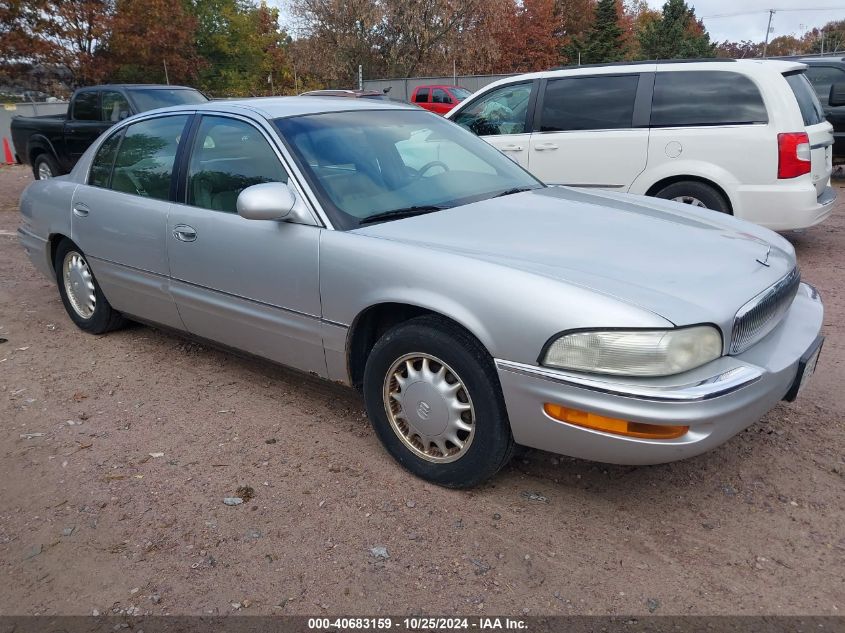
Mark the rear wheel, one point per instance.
(696, 194)
(45, 167)
(81, 294)
(433, 397)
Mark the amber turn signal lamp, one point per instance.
(613, 425)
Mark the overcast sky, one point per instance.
(751, 25)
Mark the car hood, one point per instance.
(685, 264)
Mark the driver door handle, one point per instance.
(511, 148)
(184, 233)
(81, 210)
(542, 147)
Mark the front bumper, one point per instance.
(716, 401)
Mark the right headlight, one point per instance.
(635, 352)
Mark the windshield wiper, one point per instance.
(508, 192)
(407, 212)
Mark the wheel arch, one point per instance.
(671, 180)
(373, 321)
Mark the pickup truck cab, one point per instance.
(438, 98)
(52, 144)
(827, 74)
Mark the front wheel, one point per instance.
(81, 295)
(433, 397)
(696, 194)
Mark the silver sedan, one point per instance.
(379, 246)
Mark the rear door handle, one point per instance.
(184, 233)
(81, 210)
(542, 147)
(511, 148)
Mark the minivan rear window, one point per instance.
(710, 97)
(808, 102)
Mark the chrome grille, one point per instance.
(759, 316)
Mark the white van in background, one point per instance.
(746, 137)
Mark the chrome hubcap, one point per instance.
(692, 200)
(44, 172)
(79, 285)
(429, 408)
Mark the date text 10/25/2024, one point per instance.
(417, 623)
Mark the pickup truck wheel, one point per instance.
(81, 294)
(45, 167)
(696, 194)
(434, 399)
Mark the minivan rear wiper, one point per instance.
(406, 212)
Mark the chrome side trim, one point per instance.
(707, 389)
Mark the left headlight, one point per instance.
(635, 352)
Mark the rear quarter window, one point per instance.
(693, 98)
(808, 103)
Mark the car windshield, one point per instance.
(460, 93)
(393, 163)
(152, 98)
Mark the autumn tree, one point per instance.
(242, 46)
(153, 41)
(676, 35)
(603, 41)
(60, 33)
(529, 42)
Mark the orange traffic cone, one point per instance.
(7, 152)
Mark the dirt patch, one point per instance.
(90, 521)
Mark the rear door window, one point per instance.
(589, 103)
(421, 96)
(144, 163)
(712, 97)
(808, 103)
(85, 106)
(101, 166)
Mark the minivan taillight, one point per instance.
(793, 154)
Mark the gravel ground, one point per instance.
(90, 521)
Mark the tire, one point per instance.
(438, 344)
(102, 318)
(707, 196)
(44, 163)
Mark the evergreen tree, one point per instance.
(676, 35)
(603, 42)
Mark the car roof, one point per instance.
(619, 68)
(146, 86)
(280, 107)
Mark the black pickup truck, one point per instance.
(825, 73)
(52, 144)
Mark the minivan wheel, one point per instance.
(45, 167)
(433, 397)
(81, 294)
(696, 194)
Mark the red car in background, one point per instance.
(438, 98)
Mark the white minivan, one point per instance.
(746, 137)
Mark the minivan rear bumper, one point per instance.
(784, 207)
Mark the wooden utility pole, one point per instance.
(768, 30)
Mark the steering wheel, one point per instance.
(432, 164)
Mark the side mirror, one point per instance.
(837, 95)
(267, 201)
